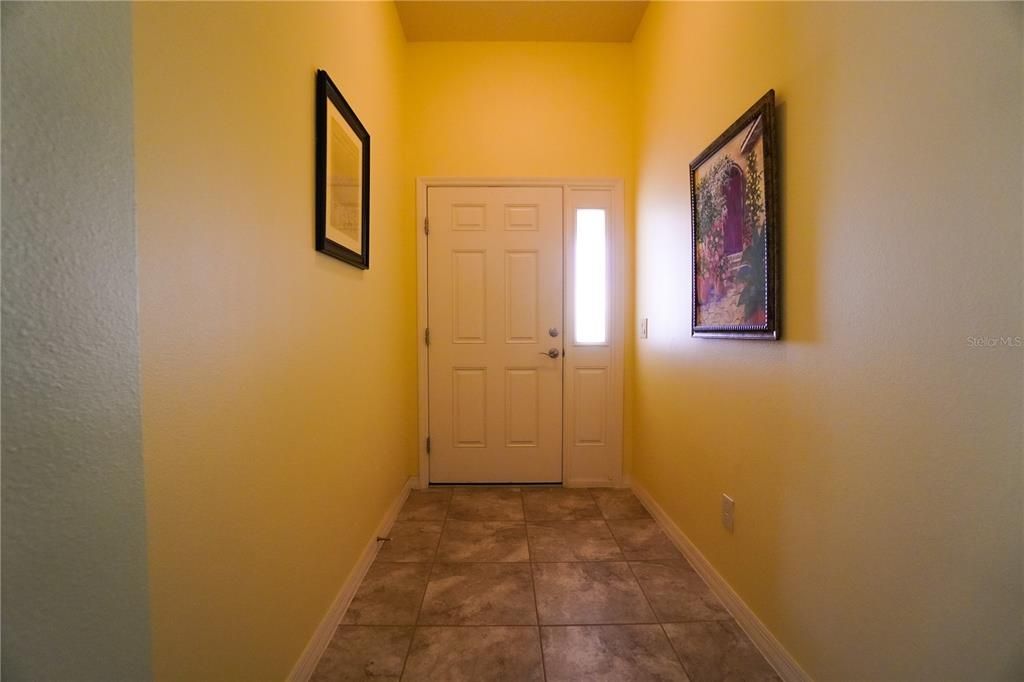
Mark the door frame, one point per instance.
(616, 323)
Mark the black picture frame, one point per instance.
(344, 246)
(735, 264)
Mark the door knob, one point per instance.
(551, 353)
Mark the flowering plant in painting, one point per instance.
(752, 273)
(711, 214)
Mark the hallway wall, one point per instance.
(279, 384)
(493, 109)
(875, 453)
(75, 600)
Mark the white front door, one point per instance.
(494, 313)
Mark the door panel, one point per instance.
(469, 407)
(522, 408)
(494, 287)
(521, 296)
(469, 296)
(590, 413)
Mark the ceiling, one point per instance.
(607, 21)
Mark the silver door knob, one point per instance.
(551, 353)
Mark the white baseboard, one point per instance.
(589, 483)
(306, 664)
(780, 659)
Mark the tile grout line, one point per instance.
(661, 626)
(536, 603)
(423, 597)
(676, 652)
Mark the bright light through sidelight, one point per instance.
(591, 268)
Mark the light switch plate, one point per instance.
(643, 328)
(728, 512)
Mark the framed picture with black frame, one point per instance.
(342, 177)
(734, 220)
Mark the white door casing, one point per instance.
(590, 399)
(495, 291)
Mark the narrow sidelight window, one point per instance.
(591, 276)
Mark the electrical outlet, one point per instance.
(728, 511)
(643, 328)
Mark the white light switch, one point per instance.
(643, 328)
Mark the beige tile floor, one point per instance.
(535, 584)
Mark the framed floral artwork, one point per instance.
(735, 230)
(342, 177)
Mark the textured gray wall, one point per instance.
(75, 599)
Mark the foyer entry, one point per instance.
(521, 363)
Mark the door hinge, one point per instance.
(426, 336)
(426, 225)
(428, 445)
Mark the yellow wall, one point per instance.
(492, 109)
(278, 384)
(874, 455)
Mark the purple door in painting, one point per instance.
(734, 211)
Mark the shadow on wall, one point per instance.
(790, 331)
(799, 253)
